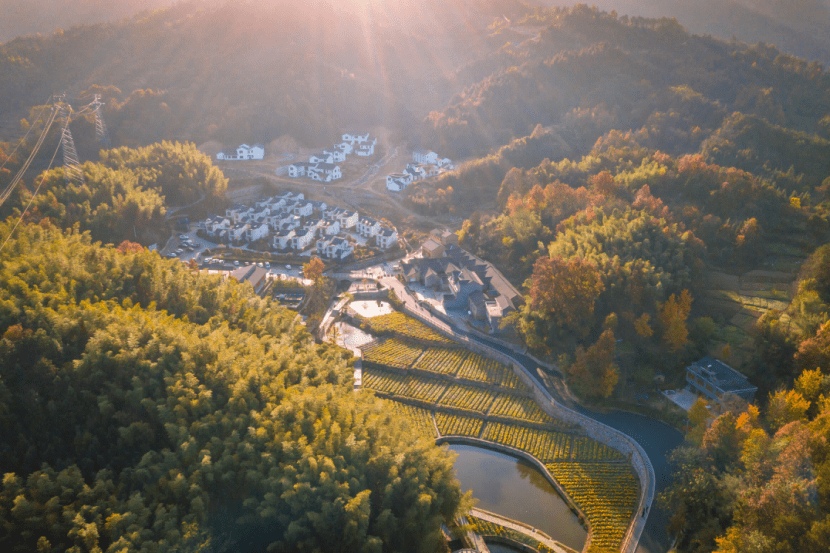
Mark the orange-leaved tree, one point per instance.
(314, 270)
(594, 373)
(564, 291)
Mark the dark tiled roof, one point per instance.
(721, 375)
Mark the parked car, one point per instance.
(182, 237)
(236, 263)
(267, 264)
(179, 251)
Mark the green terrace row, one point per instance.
(460, 363)
(443, 393)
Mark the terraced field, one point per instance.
(450, 424)
(606, 493)
(392, 353)
(520, 408)
(405, 326)
(595, 476)
(481, 369)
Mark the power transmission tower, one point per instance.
(100, 127)
(71, 163)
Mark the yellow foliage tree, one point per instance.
(673, 315)
(642, 327)
(786, 407)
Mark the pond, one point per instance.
(515, 489)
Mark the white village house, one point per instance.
(396, 182)
(257, 151)
(368, 227)
(387, 238)
(430, 158)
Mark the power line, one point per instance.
(8, 191)
(23, 140)
(32, 199)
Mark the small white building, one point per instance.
(257, 151)
(416, 171)
(312, 225)
(334, 248)
(256, 231)
(397, 182)
(336, 155)
(345, 147)
(237, 232)
(303, 208)
(282, 239)
(302, 239)
(331, 171)
(366, 150)
(289, 196)
(425, 157)
(387, 238)
(330, 227)
(353, 137)
(321, 158)
(237, 211)
(319, 207)
(346, 217)
(368, 227)
(299, 169)
(216, 224)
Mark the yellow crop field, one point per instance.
(457, 425)
(392, 353)
(441, 360)
(606, 492)
(405, 326)
(482, 369)
(420, 419)
(471, 398)
(545, 445)
(522, 408)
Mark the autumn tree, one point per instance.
(673, 315)
(594, 373)
(565, 291)
(314, 270)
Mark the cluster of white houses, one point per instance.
(323, 166)
(424, 164)
(257, 151)
(291, 222)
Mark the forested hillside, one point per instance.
(124, 195)
(145, 407)
(797, 27)
(239, 71)
(589, 72)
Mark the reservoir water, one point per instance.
(515, 489)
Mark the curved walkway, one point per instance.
(537, 535)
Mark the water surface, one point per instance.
(515, 489)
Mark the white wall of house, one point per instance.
(387, 239)
(256, 232)
(302, 240)
(283, 240)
